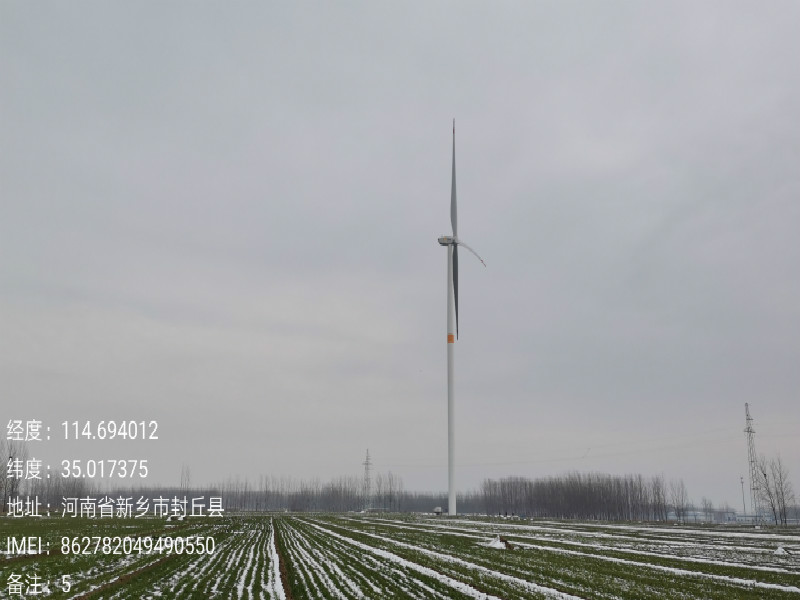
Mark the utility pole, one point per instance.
(744, 508)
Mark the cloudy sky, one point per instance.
(224, 218)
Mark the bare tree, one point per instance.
(784, 494)
(708, 508)
(379, 492)
(4, 483)
(679, 498)
(15, 455)
(766, 487)
(659, 495)
(393, 490)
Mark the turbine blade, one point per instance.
(460, 243)
(455, 282)
(453, 212)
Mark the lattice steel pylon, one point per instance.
(752, 457)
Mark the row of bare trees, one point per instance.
(571, 496)
(340, 494)
(388, 492)
(587, 496)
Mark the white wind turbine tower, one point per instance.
(452, 243)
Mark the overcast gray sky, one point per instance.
(224, 217)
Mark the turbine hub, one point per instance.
(447, 240)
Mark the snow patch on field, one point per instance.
(240, 587)
(460, 586)
(673, 570)
(477, 533)
(449, 581)
(274, 583)
(494, 543)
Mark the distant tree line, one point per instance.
(573, 495)
(341, 494)
(587, 496)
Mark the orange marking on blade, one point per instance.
(451, 339)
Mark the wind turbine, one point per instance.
(452, 243)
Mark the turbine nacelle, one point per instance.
(448, 240)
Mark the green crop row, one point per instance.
(368, 556)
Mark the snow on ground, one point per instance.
(449, 581)
(673, 570)
(374, 556)
(494, 543)
(528, 585)
(274, 583)
(477, 533)
(356, 570)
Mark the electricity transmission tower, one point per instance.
(752, 457)
(367, 482)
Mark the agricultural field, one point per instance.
(396, 556)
